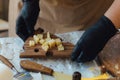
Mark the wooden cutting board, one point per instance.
(110, 55)
(38, 52)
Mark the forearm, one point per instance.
(113, 13)
(27, 18)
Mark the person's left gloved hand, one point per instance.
(93, 40)
(27, 19)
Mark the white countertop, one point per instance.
(12, 47)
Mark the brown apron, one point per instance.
(58, 16)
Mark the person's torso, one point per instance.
(59, 16)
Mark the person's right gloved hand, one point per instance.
(93, 40)
(27, 19)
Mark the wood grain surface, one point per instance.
(35, 67)
(38, 52)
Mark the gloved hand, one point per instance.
(93, 40)
(27, 19)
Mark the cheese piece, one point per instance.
(47, 42)
(40, 36)
(58, 41)
(31, 43)
(47, 39)
(48, 35)
(60, 47)
(42, 41)
(51, 43)
(36, 39)
(45, 47)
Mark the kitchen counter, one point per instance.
(12, 47)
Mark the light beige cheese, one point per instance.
(31, 43)
(62, 76)
(46, 43)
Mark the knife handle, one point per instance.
(6, 62)
(34, 67)
(76, 76)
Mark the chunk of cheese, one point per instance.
(40, 36)
(47, 42)
(45, 47)
(58, 41)
(60, 47)
(51, 43)
(48, 35)
(31, 43)
(36, 39)
(42, 41)
(47, 39)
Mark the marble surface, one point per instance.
(12, 47)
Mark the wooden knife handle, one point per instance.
(76, 76)
(34, 67)
(6, 61)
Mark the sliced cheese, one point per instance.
(58, 41)
(40, 36)
(51, 43)
(45, 47)
(48, 35)
(36, 39)
(31, 43)
(60, 47)
(47, 42)
(42, 41)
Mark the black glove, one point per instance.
(93, 40)
(27, 19)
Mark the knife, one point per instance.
(35, 67)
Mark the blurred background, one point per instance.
(4, 9)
